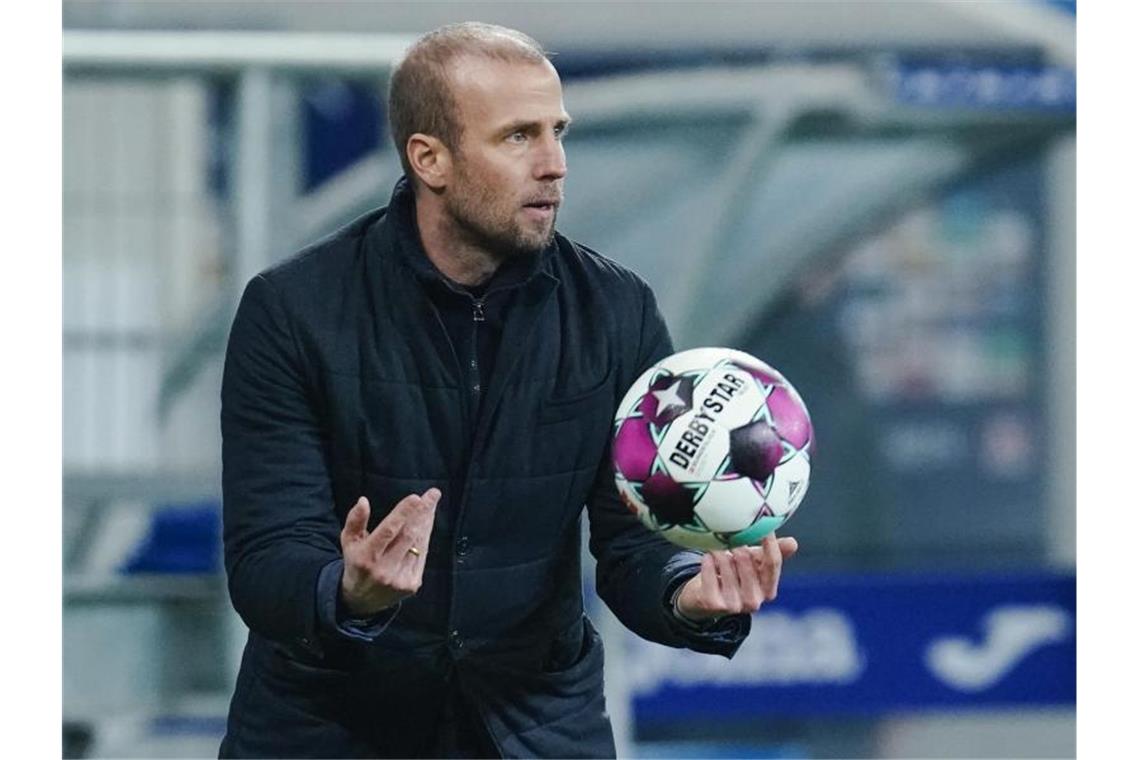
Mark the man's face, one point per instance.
(508, 169)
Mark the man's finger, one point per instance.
(788, 546)
(356, 521)
(423, 516)
(729, 583)
(770, 569)
(393, 523)
(412, 563)
(419, 529)
(400, 553)
(710, 584)
(751, 595)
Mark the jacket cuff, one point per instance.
(334, 619)
(685, 620)
(722, 635)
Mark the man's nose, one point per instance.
(551, 163)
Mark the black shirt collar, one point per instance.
(402, 211)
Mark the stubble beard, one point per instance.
(498, 234)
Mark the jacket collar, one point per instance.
(395, 242)
(410, 251)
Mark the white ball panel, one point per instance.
(741, 405)
(748, 360)
(693, 360)
(711, 451)
(729, 505)
(789, 483)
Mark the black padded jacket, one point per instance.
(341, 380)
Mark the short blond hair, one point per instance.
(420, 98)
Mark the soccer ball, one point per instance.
(712, 448)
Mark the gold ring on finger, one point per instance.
(413, 550)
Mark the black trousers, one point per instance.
(461, 731)
(457, 731)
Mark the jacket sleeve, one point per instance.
(638, 572)
(279, 525)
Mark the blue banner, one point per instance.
(985, 86)
(863, 645)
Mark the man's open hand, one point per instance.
(386, 565)
(736, 581)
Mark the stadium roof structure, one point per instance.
(645, 26)
(719, 180)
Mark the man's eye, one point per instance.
(517, 137)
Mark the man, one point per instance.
(414, 412)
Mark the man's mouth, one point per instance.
(541, 210)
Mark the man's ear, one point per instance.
(430, 160)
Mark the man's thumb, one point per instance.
(356, 522)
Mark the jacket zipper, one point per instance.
(477, 316)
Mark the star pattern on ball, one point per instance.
(697, 525)
(669, 397)
(670, 504)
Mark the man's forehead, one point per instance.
(482, 81)
(470, 61)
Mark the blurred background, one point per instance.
(877, 198)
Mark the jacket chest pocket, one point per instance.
(559, 408)
(571, 430)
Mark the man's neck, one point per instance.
(458, 259)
